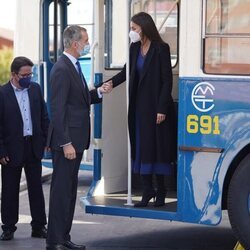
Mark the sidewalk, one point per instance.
(46, 174)
(103, 232)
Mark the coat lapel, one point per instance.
(86, 90)
(78, 81)
(133, 60)
(147, 62)
(31, 100)
(13, 100)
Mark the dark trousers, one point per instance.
(11, 176)
(63, 193)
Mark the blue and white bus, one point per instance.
(210, 51)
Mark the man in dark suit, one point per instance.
(69, 134)
(23, 131)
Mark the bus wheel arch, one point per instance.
(230, 172)
(238, 201)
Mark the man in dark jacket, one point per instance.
(23, 131)
(69, 134)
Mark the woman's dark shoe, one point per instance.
(160, 199)
(146, 197)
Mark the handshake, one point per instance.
(106, 87)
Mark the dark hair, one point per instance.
(20, 62)
(145, 21)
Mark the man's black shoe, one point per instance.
(7, 235)
(70, 245)
(39, 233)
(56, 247)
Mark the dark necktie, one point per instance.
(80, 74)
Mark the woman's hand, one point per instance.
(160, 118)
(106, 87)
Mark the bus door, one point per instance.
(213, 125)
(109, 193)
(57, 15)
(53, 23)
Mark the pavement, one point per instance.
(103, 232)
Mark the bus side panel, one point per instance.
(212, 115)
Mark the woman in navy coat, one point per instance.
(151, 115)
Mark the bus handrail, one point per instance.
(93, 47)
(93, 141)
(201, 149)
(45, 82)
(129, 192)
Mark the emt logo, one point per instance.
(202, 96)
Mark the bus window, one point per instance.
(227, 37)
(115, 34)
(163, 12)
(51, 32)
(79, 13)
(165, 15)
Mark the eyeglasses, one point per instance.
(25, 75)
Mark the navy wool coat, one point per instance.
(148, 95)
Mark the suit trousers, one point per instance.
(63, 193)
(11, 176)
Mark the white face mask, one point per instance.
(134, 36)
(85, 50)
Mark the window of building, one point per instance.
(78, 13)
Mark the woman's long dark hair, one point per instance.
(145, 21)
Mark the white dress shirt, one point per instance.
(24, 106)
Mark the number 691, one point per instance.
(204, 124)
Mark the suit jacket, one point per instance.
(149, 94)
(70, 107)
(11, 123)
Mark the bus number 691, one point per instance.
(204, 124)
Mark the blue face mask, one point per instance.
(85, 51)
(25, 82)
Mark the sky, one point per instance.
(7, 14)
